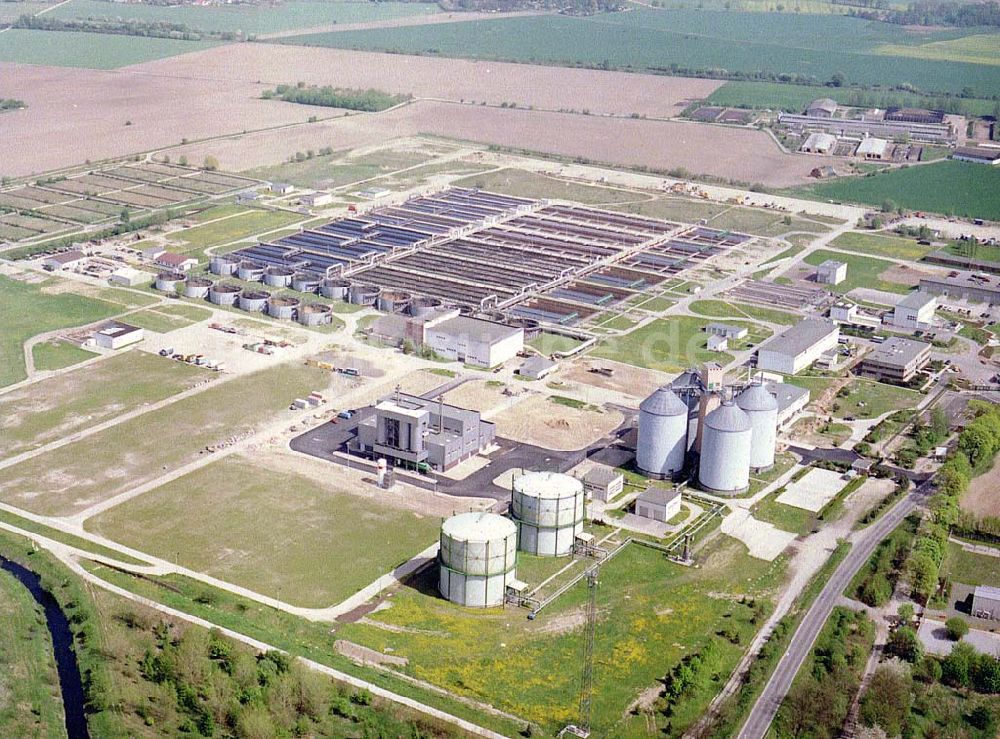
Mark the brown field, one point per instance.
(983, 496)
(628, 380)
(541, 422)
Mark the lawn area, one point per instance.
(80, 474)
(192, 313)
(815, 385)
(861, 272)
(763, 222)
(233, 228)
(548, 343)
(317, 549)
(867, 399)
(89, 50)
(70, 539)
(949, 187)
(881, 245)
(32, 702)
(651, 613)
(673, 209)
(722, 309)
(335, 171)
(56, 355)
(653, 305)
(969, 568)
(209, 214)
(524, 184)
(152, 319)
(27, 310)
(667, 344)
(59, 406)
(785, 517)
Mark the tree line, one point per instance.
(369, 101)
(933, 14)
(124, 27)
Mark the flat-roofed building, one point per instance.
(717, 343)
(316, 199)
(831, 272)
(915, 311)
(176, 262)
(473, 341)
(986, 602)
(974, 287)
(128, 277)
(797, 347)
(914, 115)
(115, 335)
(872, 148)
(977, 154)
(897, 359)
(843, 311)
(860, 127)
(819, 143)
(536, 367)
(728, 330)
(658, 504)
(603, 483)
(792, 400)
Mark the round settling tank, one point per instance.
(548, 510)
(762, 408)
(315, 314)
(282, 308)
(663, 430)
(223, 265)
(363, 294)
(278, 276)
(334, 288)
(305, 282)
(168, 281)
(250, 271)
(197, 287)
(420, 307)
(532, 328)
(223, 294)
(725, 451)
(392, 301)
(477, 559)
(254, 301)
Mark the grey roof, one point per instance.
(916, 300)
(602, 475)
(987, 591)
(801, 337)
(486, 331)
(73, 255)
(664, 402)
(786, 394)
(727, 417)
(897, 352)
(659, 496)
(757, 398)
(536, 364)
(823, 104)
(832, 264)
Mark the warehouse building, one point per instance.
(798, 347)
(819, 143)
(658, 504)
(411, 431)
(861, 127)
(974, 287)
(63, 259)
(986, 602)
(176, 262)
(831, 272)
(536, 367)
(896, 359)
(471, 340)
(603, 483)
(915, 311)
(822, 108)
(116, 335)
(316, 199)
(915, 115)
(717, 343)
(977, 154)
(873, 148)
(727, 330)
(792, 400)
(128, 277)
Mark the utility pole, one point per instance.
(582, 729)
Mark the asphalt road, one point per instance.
(864, 544)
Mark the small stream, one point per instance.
(70, 682)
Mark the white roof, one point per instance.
(801, 337)
(917, 300)
(478, 527)
(872, 145)
(547, 485)
(819, 141)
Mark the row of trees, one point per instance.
(369, 101)
(123, 27)
(11, 104)
(935, 14)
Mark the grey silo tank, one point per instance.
(725, 450)
(663, 427)
(223, 265)
(762, 408)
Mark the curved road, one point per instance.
(864, 543)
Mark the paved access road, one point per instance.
(864, 543)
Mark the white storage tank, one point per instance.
(762, 408)
(477, 559)
(168, 281)
(663, 430)
(725, 451)
(548, 510)
(223, 265)
(197, 287)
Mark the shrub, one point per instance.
(956, 628)
(905, 644)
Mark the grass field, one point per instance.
(90, 50)
(317, 549)
(971, 569)
(59, 406)
(233, 228)
(56, 355)
(817, 46)
(82, 473)
(669, 344)
(673, 209)
(880, 245)
(27, 310)
(959, 188)
(722, 309)
(785, 517)
(30, 700)
(250, 19)
(551, 343)
(164, 318)
(651, 614)
(70, 539)
(868, 399)
(981, 48)
(861, 272)
(326, 171)
(533, 185)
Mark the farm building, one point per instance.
(176, 262)
(115, 335)
(717, 343)
(281, 188)
(831, 272)
(536, 368)
(860, 127)
(603, 483)
(977, 154)
(822, 108)
(873, 148)
(658, 504)
(986, 602)
(975, 287)
(819, 143)
(128, 277)
(726, 330)
(473, 341)
(915, 311)
(896, 359)
(412, 431)
(63, 259)
(914, 115)
(316, 199)
(797, 347)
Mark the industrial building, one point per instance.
(915, 311)
(791, 400)
(658, 504)
(477, 559)
(868, 126)
(281, 188)
(152, 252)
(176, 262)
(115, 335)
(63, 259)
(844, 311)
(415, 432)
(548, 509)
(603, 483)
(977, 154)
(914, 115)
(974, 287)
(316, 199)
(986, 602)
(822, 108)
(797, 347)
(128, 277)
(717, 343)
(473, 341)
(897, 359)
(872, 148)
(831, 272)
(819, 143)
(537, 367)
(727, 330)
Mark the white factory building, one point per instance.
(658, 504)
(872, 148)
(915, 311)
(831, 272)
(470, 340)
(116, 335)
(798, 347)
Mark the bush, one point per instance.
(905, 644)
(956, 628)
(956, 668)
(928, 670)
(876, 591)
